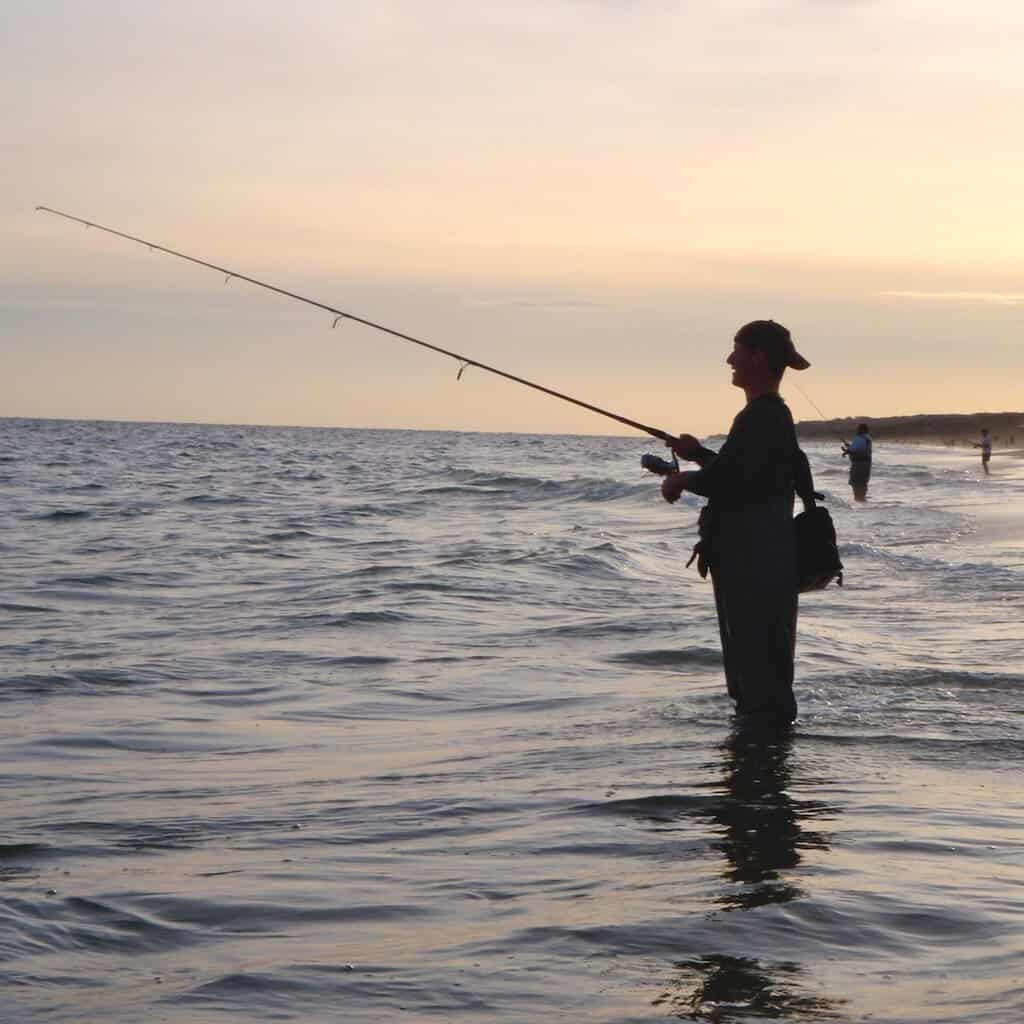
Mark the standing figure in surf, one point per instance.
(747, 536)
(858, 451)
(985, 444)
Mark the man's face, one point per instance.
(746, 364)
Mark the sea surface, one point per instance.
(364, 726)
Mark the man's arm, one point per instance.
(755, 442)
(803, 480)
(727, 470)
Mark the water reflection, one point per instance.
(763, 833)
(763, 827)
(732, 988)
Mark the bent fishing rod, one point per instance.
(341, 314)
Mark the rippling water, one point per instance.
(326, 725)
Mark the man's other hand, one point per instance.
(672, 486)
(685, 446)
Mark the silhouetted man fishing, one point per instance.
(985, 444)
(858, 451)
(747, 536)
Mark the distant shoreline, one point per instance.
(944, 430)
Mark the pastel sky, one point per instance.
(593, 194)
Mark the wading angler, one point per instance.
(758, 556)
(748, 537)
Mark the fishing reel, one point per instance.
(656, 464)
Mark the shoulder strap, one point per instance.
(802, 479)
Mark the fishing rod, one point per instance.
(341, 314)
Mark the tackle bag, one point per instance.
(816, 549)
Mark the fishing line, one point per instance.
(824, 418)
(341, 314)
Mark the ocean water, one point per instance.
(343, 725)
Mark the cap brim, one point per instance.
(797, 361)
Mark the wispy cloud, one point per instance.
(574, 304)
(991, 298)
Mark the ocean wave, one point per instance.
(81, 681)
(311, 475)
(974, 575)
(19, 851)
(74, 925)
(8, 606)
(343, 620)
(588, 626)
(66, 514)
(931, 677)
(659, 808)
(103, 579)
(531, 489)
(669, 657)
(217, 499)
(392, 509)
(310, 659)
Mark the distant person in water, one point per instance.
(858, 451)
(747, 536)
(985, 444)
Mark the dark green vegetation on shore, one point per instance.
(1006, 428)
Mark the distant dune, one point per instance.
(949, 429)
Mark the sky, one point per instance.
(592, 194)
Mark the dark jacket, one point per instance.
(759, 465)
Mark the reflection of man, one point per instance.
(763, 835)
(764, 991)
(859, 453)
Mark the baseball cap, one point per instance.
(773, 339)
